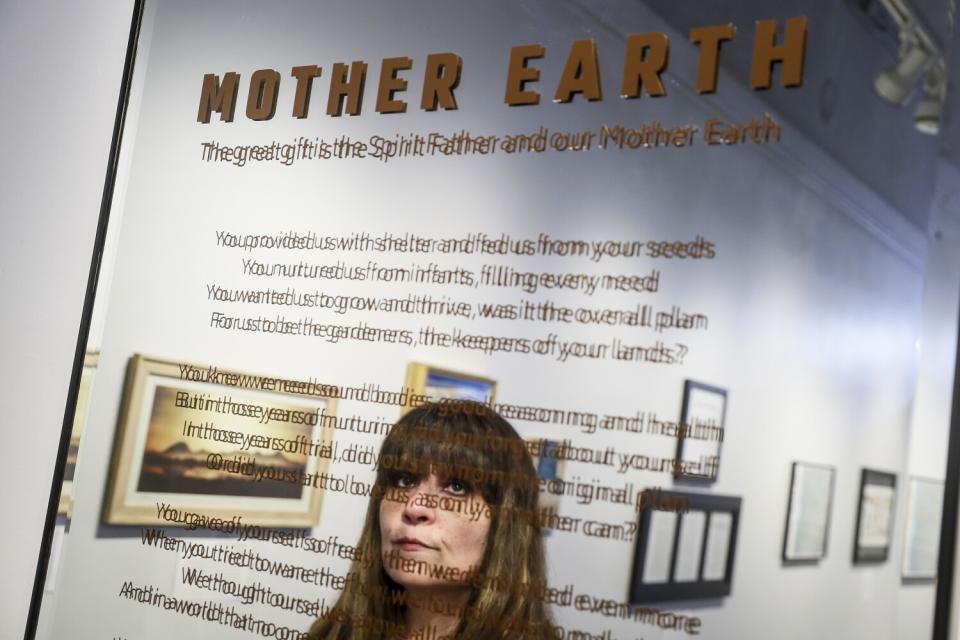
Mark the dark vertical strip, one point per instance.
(948, 524)
(675, 551)
(703, 545)
(94, 273)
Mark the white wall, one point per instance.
(61, 64)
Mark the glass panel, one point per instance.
(430, 319)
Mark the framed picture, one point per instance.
(686, 555)
(700, 432)
(921, 541)
(445, 384)
(224, 445)
(875, 513)
(808, 512)
(549, 469)
(90, 359)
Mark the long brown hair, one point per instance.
(470, 441)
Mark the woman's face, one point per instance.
(434, 530)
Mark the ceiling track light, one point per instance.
(896, 85)
(926, 117)
(920, 55)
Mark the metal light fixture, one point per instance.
(926, 117)
(897, 84)
(919, 53)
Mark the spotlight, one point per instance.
(895, 85)
(926, 117)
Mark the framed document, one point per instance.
(686, 555)
(921, 540)
(875, 515)
(808, 512)
(700, 432)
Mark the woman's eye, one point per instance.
(458, 488)
(406, 481)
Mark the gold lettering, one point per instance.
(441, 77)
(304, 76)
(262, 97)
(215, 96)
(581, 74)
(709, 39)
(519, 74)
(349, 87)
(391, 84)
(646, 59)
(791, 53)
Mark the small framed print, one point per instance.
(700, 432)
(446, 384)
(550, 470)
(686, 554)
(808, 512)
(921, 540)
(875, 515)
(224, 446)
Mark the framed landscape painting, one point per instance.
(215, 448)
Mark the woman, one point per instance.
(451, 546)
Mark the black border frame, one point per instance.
(46, 541)
(786, 526)
(641, 593)
(873, 555)
(688, 386)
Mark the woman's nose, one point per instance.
(421, 505)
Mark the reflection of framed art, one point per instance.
(216, 445)
(700, 432)
(874, 516)
(444, 384)
(550, 470)
(687, 555)
(921, 541)
(76, 433)
(808, 512)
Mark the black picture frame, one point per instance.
(710, 465)
(790, 555)
(702, 586)
(876, 513)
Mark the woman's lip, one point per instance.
(410, 544)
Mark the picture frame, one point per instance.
(700, 432)
(921, 539)
(90, 361)
(809, 507)
(875, 516)
(446, 384)
(686, 555)
(549, 469)
(172, 429)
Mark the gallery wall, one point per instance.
(816, 321)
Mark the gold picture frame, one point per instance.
(446, 384)
(219, 443)
(90, 360)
